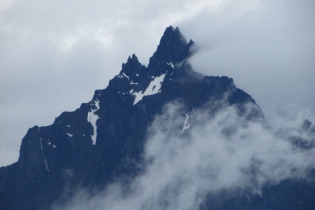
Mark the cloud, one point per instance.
(180, 170)
(267, 47)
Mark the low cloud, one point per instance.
(221, 152)
(266, 46)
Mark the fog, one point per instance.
(267, 47)
(221, 152)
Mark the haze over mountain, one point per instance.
(163, 136)
(48, 49)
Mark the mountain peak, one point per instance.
(133, 59)
(131, 65)
(173, 47)
(136, 79)
(105, 138)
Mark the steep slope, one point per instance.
(104, 138)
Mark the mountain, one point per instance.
(104, 138)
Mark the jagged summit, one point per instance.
(131, 62)
(167, 63)
(173, 47)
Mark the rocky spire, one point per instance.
(173, 47)
(131, 65)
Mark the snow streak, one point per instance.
(92, 118)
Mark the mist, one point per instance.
(266, 46)
(216, 153)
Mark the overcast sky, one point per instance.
(54, 54)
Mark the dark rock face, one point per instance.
(104, 138)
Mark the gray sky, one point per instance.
(54, 54)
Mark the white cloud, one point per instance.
(181, 170)
(267, 47)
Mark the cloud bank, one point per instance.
(221, 152)
(266, 46)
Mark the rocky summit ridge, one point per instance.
(104, 138)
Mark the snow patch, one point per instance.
(258, 192)
(46, 165)
(171, 64)
(186, 123)
(97, 104)
(92, 118)
(41, 146)
(153, 88)
(125, 75)
(133, 83)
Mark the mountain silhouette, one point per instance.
(104, 138)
